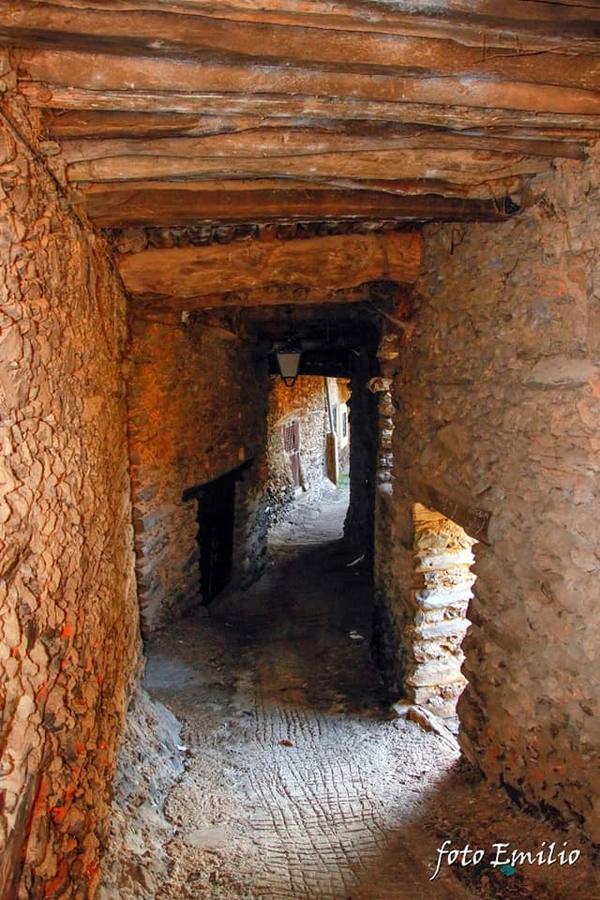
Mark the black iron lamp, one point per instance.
(288, 357)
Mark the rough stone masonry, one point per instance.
(68, 611)
(497, 400)
(197, 410)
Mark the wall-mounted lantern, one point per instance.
(288, 357)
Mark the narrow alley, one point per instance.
(299, 780)
(299, 450)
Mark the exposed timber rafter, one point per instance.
(174, 203)
(418, 112)
(78, 124)
(115, 72)
(47, 95)
(302, 269)
(446, 39)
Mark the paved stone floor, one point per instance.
(298, 782)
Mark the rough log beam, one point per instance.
(74, 124)
(93, 71)
(99, 124)
(285, 154)
(417, 44)
(64, 97)
(456, 166)
(323, 264)
(278, 188)
(289, 142)
(176, 204)
(272, 296)
(461, 19)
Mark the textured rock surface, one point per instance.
(197, 403)
(497, 428)
(422, 591)
(150, 762)
(68, 618)
(436, 626)
(387, 557)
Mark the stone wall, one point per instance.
(197, 407)
(392, 560)
(305, 401)
(497, 428)
(434, 603)
(68, 617)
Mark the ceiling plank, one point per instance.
(298, 297)
(68, 97)
(208, 38)
(537, 16)
(458, 166)
(149, 205)
(272, 142)
(76, 124)
(95, 71)
(328, 263)
(536, 24)
(67, 125)
(233, 186)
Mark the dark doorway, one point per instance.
(216, 511)
(216, 525)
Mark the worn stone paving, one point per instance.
(298, 782)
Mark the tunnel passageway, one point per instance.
(299, 781)
(280, 245)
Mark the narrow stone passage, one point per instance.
(299, 783)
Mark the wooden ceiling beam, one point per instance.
(458, 166)
(234, 187)
(264, 297)
(95, 71)
(176, 204)
(419, 44)
(456, 116)
(464, 20)
(324, 264)
(65, 125)
(86, 124)
(315, 156)
(276, 142)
